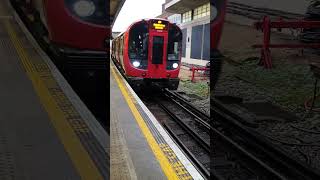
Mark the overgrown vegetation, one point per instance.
(289, 84)
(200, 88)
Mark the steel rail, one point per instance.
(272, 155)
(237, 149)
(204, 144)
(197, 163)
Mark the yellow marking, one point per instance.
(178, 166)
(79, 156)
(164, 163)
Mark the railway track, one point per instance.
(258, 154)
(188, 126)
(236, 151)
(191, 129)
(230, 160)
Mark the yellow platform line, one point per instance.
(77, 153)
(164, 163)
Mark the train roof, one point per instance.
(147, 19)
(115, 7)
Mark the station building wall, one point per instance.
(195, 26)
(196, 42)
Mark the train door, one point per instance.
(158, 42)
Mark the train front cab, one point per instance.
(218, 10)
(75, 31)
(153, 54)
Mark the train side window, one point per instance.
(174, 46)
(173, 51)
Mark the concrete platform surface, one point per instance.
(42, 135)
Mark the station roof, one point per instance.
(115, 7)
(115, 34)
(181, 6)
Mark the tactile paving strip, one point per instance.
(7, 168)
(39, 68)
(181, 171)
(7, 163)
(96, 151)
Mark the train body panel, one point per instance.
(77, 25)
(150, 51)
(218, 11)
(67, 29)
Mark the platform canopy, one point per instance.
(181, 6)
(115, 7)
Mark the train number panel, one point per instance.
(149, 52)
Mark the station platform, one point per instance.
(140, 146)
(46, 132)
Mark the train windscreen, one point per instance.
(138, 45)
(174, 47)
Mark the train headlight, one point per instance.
(136, 64)
(84, 8)
(213, 13)
(175, 65)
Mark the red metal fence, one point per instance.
(202, 73)
(266, 25)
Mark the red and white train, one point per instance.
(149, 52)
(218, 11)
(77, 30)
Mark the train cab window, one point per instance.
(157, 50)
(174, 47)
(138, 45)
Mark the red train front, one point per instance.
(149, 52)
(76, 30)
(79, 24)
(218, 11)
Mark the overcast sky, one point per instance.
(133, 10)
